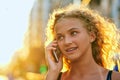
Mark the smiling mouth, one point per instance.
(71, 49)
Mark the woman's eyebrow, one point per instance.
(58, 34)
(69, 30)
(72, 29)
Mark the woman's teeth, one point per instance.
(71, 49)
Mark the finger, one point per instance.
(52, 44)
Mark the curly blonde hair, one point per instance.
(106, 32)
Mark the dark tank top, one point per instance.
(108, 76)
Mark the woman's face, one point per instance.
(73, 39)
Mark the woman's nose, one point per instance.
(68, 40)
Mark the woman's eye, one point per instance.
(60, 37)
(73, 33)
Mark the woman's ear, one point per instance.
(92, 36)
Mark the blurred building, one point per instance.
(35, 36)
(108, 8)
(34, 39)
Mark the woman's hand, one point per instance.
(54, 68)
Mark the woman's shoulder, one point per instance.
(115, 75)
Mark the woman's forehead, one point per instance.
(68, 24)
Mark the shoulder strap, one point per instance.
(59, 77)
(109, 75)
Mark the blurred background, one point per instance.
(22, 34)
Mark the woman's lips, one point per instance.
(71, 49)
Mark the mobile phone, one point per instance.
(56, 54)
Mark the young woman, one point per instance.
(86, 41)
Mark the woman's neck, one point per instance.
(85, 67)
(84, 63)
(82, 66)
(85, 71)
